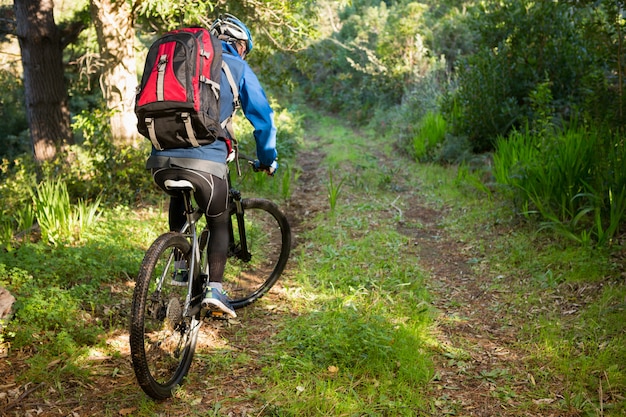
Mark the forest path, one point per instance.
(480, 370)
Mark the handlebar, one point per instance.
(256, 165)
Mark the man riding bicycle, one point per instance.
(206, 166)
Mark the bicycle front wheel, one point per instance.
(260, 246)
(162, 338)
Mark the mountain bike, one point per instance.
(166, 318)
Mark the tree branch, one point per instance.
(70, 33)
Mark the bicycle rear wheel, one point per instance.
(162, 339)
(251, 273)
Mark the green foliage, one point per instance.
(334, 190)
(451, 35)
(289, 138)
(289, 132)
(48, 320)
(16, 214)
(92, 172)
(483, 106)
(575, 179)
(289, 177)
(384, 62)
(275, 25)
(35, 315)
(431, 132)
(523, 44)
(99, 168)
(58, 219)
(14, 136)
(171, 14)
(357, 65)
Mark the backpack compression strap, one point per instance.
(152, 133)
(188, 128)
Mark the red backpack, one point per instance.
(177, 103)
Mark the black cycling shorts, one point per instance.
(211, 192)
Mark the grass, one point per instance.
(357, 332)
(430, 133)
(573, 180)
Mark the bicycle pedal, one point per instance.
(216, 315)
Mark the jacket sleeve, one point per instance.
(257, 110)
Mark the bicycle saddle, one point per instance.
(179, 185)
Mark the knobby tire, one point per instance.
(162, 341)
(268, 236)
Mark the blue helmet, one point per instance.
(229, 26)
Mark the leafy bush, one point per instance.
(452, 36)
(363, 65)
(16, 214)
(483, 106)
(99, 168)
(92, 172)
(523, 44)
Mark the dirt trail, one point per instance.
(478, 347)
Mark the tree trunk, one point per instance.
(114, 25)
(45, 91)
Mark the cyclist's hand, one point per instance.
(270, 169)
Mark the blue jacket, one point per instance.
(255, 107)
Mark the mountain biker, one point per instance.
(206, 166)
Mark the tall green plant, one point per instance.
(334, 189)
(575, 180)
(431, 133)
(61, 221)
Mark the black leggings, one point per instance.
(211, 195)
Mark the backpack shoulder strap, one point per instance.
(227, 124)
(231, 81)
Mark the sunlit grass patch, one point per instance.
(351, 356)
(360, 340)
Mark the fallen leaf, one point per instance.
(544, 401)
(53, 363)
